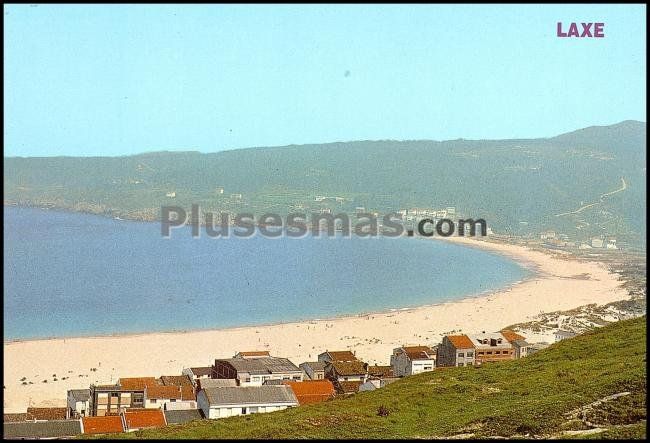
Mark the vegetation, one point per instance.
(593, 385)
(518, 186)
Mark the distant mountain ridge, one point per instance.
(518, 185)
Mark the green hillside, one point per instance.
(518, 186)
(528, 397)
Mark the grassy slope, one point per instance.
(528, 396)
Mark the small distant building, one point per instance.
(171, 195)
(561, 335)
(218, 190)
(235, 196)
(330, 356)
(136, 419)
(78, 403)
(51, 429)
(255, 371)
(312, 391)
(314, 370)
(197, 373)
(109, 424)
(456, 350)
(547, 235)
(410, 360)
(243, 400)
(172, 397)
(597, 242)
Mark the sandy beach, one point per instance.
(558, 284)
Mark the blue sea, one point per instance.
(70, 274)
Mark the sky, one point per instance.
(88, 80)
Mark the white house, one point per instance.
(561, 335)
(255, 371)
(197, 373)
(244, 400)
(410, 360)
(78, 403)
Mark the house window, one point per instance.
(172, 400)
(489, 352)
(497, 352)
(154, 400)
(115, 394)
(286, 377)
(319, 377)
(248, 379)
(243, 411)
(296, 377)
(470, 354)
(461, 354)
(461, 364)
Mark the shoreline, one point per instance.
(554, 284)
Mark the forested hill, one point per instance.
(519, 186)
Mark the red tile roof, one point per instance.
(348, 387)
(419, 352)
(511, 335)
(48, 413)
(380, 371)
(176, 380)
(311, 391)
(102, 425)
(460, 341)
(144, 418)
(138, 383)
(175, 392)
(349, 367)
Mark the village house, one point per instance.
(311, 391)
(330, 356)
(255, 371)
(243, 400)
(518, 342)
(561, 335)
(492, 347)
(78, 403)
(347, 371)
(112, 399)
(197, 373)
(314, 370)
(455, 350)
(410, 360)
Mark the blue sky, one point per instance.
(115, 80)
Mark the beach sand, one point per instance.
(558, 284)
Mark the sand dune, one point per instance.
(558, 284)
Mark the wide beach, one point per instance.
(558, 284)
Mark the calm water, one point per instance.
(72, 274)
